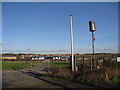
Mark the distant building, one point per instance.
(65, 58)
(9, 57)
(48, 57)
(37, 57)
(45, 57)
(56, 57)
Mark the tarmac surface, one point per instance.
(34, 77)
(0, 79)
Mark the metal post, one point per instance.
(75, 58)
(48, 65)
(92, 29)
(83, 64)
(93, 43)
(91, 63)
(94, 61)
(71, 38)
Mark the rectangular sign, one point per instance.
(118, 59)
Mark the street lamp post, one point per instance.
(71, 38)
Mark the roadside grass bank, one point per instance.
(108, 77)
(0, 65)
(105, 77)
(17, 65)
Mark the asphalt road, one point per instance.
(0, 79)
(34, 77)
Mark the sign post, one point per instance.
(92, 29)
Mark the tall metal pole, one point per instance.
(93, 43)
(71, 38)
(93, 49)
(92, 29)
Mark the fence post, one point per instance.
(91, 64)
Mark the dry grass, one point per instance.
(105, 77)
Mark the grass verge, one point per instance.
(17, 65)
(104, 77)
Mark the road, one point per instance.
(35, 77)
(0, 79)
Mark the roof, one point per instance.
(36, 56)
(64, 57)
(8, 56)
(43, 56)
(56, 56)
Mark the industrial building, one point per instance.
(9, 57)
(37, 57)
(45, 57)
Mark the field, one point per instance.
(58, 64)
(16, 65)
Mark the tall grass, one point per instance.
(104, 77)
(99, 77)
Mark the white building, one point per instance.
(56, 57)
(37, 58)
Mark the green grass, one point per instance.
(78, 62)
(0, 65)
(16, 65)
(58, 64)
(63, 64)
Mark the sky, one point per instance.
(44, 27)
(0, 27)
